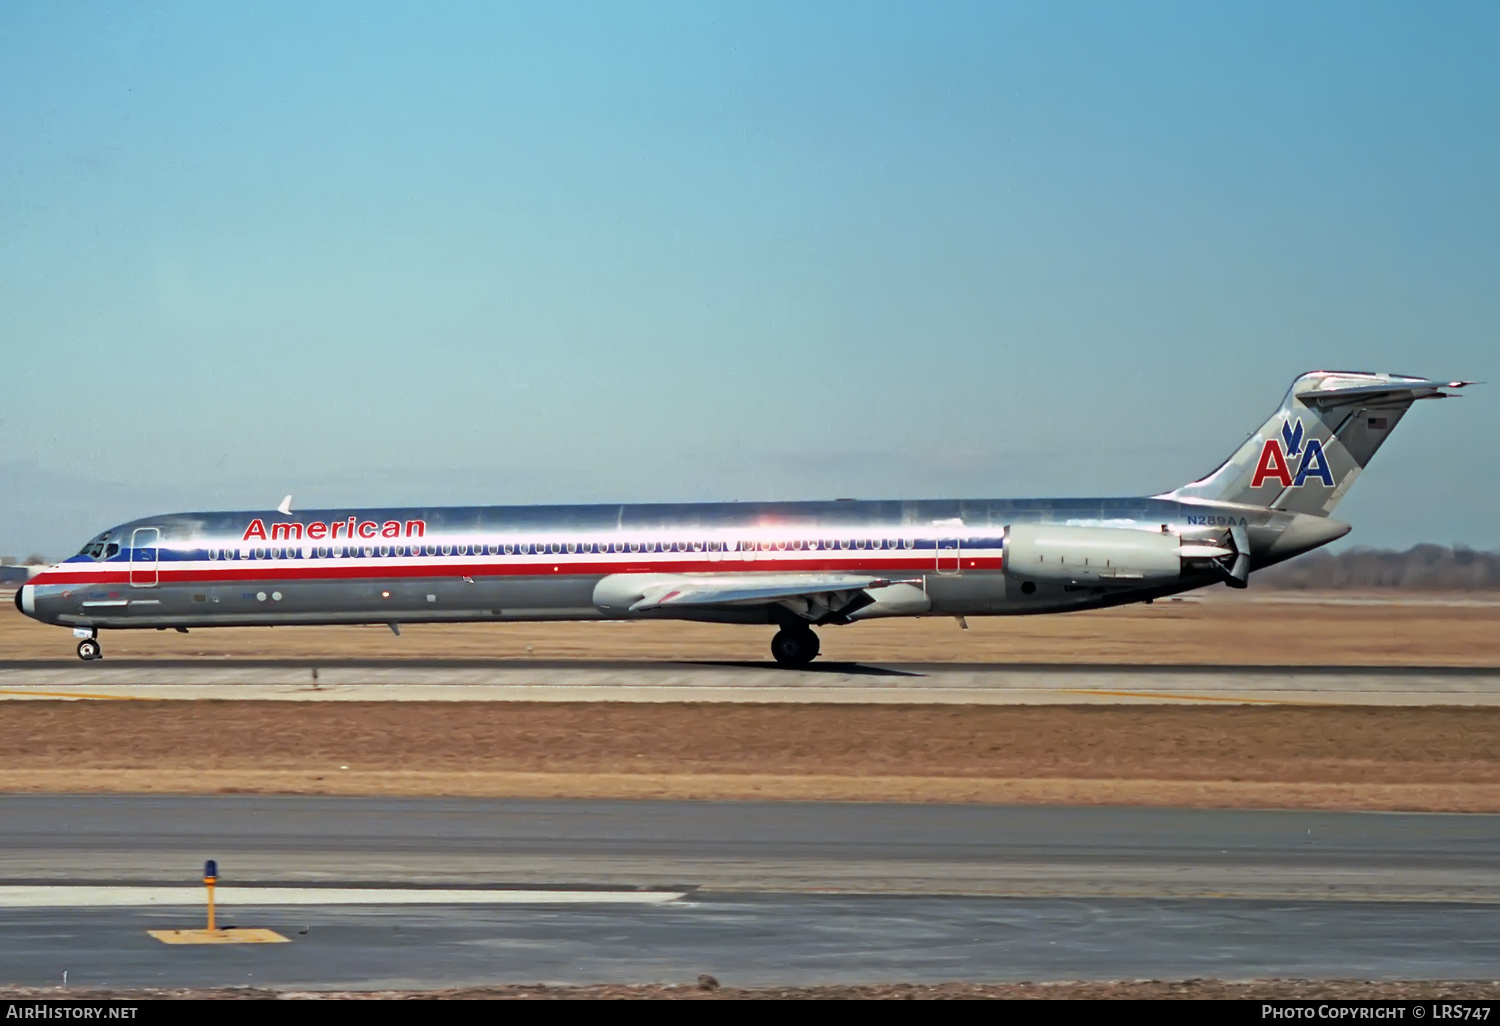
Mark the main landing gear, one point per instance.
(89, 650)
(794, 646)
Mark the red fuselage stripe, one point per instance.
(356, 568)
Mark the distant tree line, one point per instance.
(1435, 567)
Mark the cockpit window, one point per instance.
(95, 549)
(111, 551)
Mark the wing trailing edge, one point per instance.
(816, 597)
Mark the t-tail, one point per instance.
(1326, 431)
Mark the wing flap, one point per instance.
(743, 591)
(639, 593)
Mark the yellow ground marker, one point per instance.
(211, 935)
(232, 936)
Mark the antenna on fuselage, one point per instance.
(285, 509)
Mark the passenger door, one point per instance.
(948, 555)
(145, 543)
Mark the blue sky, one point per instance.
(554, 252)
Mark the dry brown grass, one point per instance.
(1304, 757)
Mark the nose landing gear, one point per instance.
(89, 650)
(794, 646)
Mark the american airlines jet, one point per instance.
(797, 565)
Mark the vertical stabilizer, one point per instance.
(1325, 432)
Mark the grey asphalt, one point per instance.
(779, 892)
(501, 680)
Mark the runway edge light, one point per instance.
(210, 877)
(212, 935)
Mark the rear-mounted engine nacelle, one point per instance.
(1098, 555)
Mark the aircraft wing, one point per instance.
(735, 590)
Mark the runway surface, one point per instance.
(591, 681)
(772, 892)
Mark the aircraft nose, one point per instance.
(26, 599)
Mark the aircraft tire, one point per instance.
(795, 647)
(89, 650)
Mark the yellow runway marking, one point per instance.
(80, 694)
(1188, 698)
(231, 936)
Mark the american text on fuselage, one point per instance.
(794, 565)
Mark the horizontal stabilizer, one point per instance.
(1375, 396)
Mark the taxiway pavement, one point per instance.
(788, 847)
(763, 940)
(771, 892)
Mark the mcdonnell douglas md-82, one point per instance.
(797, 565)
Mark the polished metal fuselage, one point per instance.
(412, 565)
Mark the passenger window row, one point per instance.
(553, 548)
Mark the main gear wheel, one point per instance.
(794, 646)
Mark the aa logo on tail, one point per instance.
(1276, 456)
